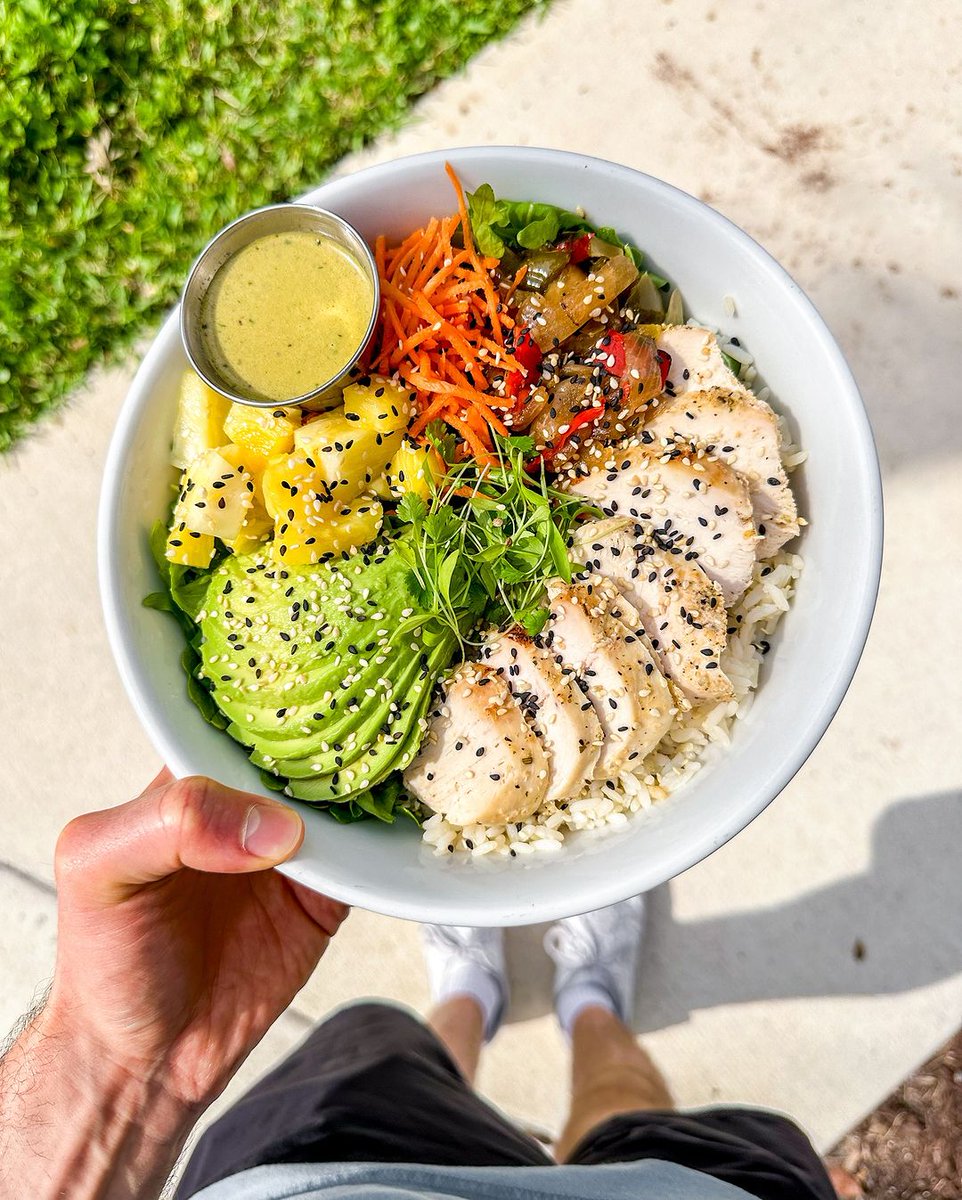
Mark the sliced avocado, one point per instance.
(381, 759)
(357, 762)
(310, 670)
(273, 729)
(273, 647)
(346, 734)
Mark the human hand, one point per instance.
(178, 946)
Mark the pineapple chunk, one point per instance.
(265, 431)
(379, 404)
(415, 469)
(257, 524)
(251, 537)
(239, 456)
(216, 497)
(291, 481)
(381, 488)
(201, 413)
(337, 527)
(187, 548)
(347, 454)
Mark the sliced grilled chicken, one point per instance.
(681, 609)
(742, 430)
(614, 669)
(481, 761)
(696, 360)
(698, 508)
(554, 705)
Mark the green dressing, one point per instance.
(286, 314)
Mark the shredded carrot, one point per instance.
(516, 282)
(442, 329)
(477, 447)
(472, 252)
(429, 414)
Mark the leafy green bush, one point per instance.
(130, 130)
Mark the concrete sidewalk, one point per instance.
(812, 962)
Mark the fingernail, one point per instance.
(271, 831)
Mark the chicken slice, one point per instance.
(681, 609)
(554, 705)
(698, 508)
(742, 430)
(696, 359)
(615, 670)
(481, 761)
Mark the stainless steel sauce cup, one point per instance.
(275, 218)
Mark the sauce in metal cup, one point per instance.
(279, 306)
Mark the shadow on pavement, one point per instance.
(903, 341)
(894, 927)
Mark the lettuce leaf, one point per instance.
(498, 225)
(182, 595)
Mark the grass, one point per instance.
(131, 130)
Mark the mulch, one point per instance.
(910, 1148)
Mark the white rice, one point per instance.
(699, 734)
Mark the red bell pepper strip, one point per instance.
(612, 347)
(612, 354)
(577, 248)
(580, 419)
(528, 354)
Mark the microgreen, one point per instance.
(488, 542)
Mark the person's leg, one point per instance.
(763, 1153)
(610, 1074)
(621, 1109)
(596, 961)
(459, 1024)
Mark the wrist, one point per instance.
(77, 1123)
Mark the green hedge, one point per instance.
(130, 131)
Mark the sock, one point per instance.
(583, 989)
(465, 978)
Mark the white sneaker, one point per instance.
(596, 960)
(464, 961)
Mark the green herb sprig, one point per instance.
(485, 546)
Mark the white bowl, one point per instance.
(814, 654)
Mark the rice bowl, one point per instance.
(360, 865)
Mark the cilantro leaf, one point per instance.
(533, 620)
(412, 509)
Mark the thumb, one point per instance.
(192, 822)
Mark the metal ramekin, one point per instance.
(275, 218)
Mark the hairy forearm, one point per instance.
(74, 1124)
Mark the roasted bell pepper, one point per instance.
(528, 354)
(587, 416)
